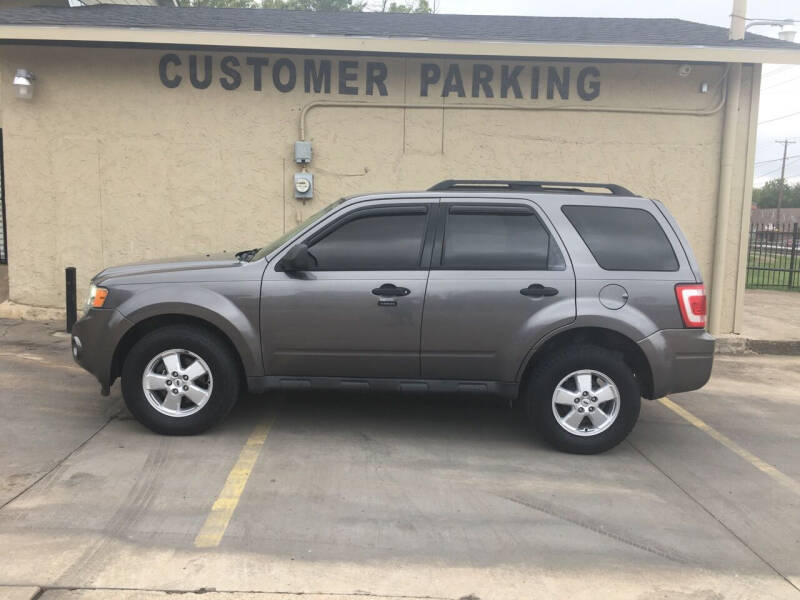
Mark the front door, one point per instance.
(499, 282)
(357, 313)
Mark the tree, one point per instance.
(385, 6)
(221, 3)
(409, 6)
(315, 5)
(767, 195)
(323, 5)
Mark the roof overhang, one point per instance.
(152, 37)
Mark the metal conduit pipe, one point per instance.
(703, 112)
(724, 196)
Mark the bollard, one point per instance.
(72, 306)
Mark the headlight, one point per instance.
(97, 297)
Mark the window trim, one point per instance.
(370, 211)
(644, 210)
(506, 208)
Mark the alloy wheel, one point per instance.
(177, 383)
(586, 402)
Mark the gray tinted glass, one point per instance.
(513, 239)
(623, 239)
(373, 242)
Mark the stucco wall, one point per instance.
(108, 165)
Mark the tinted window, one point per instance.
(623, 239)
(373, 241)
(486, 238)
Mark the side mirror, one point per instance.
(298, 258)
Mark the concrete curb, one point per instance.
(26, 312)
(736, 344)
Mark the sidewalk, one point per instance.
(771, 315)
(3, 283)
(771, 324)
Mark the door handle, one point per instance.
(537, 290)
(390, 289)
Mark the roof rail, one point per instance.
(527, 186)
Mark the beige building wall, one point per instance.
(108, 165)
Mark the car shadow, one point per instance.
(431, 417)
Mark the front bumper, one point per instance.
(95, 337)
(680, 359)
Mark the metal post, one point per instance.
(793, 256)
(72, 304)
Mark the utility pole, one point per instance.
(783, 182)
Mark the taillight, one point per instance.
(692, 302)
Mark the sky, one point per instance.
(780, 87)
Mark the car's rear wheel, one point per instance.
(180, 380)
(583, 400)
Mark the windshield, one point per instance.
(275, 244)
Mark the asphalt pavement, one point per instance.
(336, 496)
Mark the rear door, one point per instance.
(499, 281)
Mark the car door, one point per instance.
(499, 281)
(357, 313)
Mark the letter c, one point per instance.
(162, 70)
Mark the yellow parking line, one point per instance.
(759, 464)
(222, 510)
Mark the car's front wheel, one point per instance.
(180, 380)
(583, 400)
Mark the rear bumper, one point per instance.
(94, 339)
(680, 359)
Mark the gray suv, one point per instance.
(571, 300)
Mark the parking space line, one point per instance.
(759, 464)
(223, 508)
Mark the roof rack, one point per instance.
(569, 187)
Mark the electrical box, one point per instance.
(302, 152)
(303, 185)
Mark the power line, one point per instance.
(779, 70)
(768, 172)
(771, 171)
(794, 158)
(769, 87)
(784, 19)
(779, 118)
(761, 162)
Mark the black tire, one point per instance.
(546, 376)
(205, 344)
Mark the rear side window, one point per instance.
(373, 241)
(623, 239)
(509, 238)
